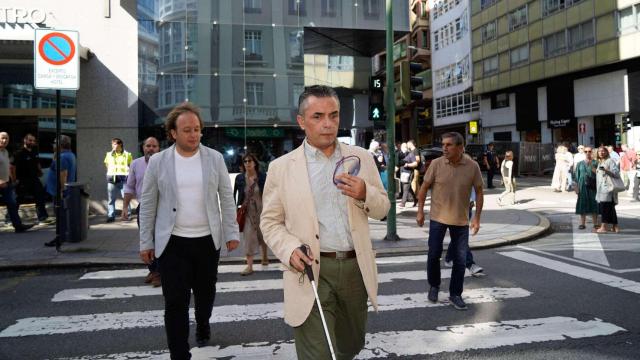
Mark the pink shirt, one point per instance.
(135, 177)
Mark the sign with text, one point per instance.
(57, 64)
(473, 127)
(561, 123)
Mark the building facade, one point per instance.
(554, 71)
(455, 105)
(244, 63)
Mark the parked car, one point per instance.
(427, 155)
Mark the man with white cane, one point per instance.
(320, 196)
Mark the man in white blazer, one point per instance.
(306, 202)
(183, 224)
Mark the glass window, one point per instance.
(255, 93)
(253, 44)
(555, 44)
(518, 18)
(371, 9)
(520, 55)
(296, 90)
(486, 3)
(340, 63)
(295, 46)
(298, 7)
(500, 101)
(490, 65)
(489, 31)
(252, 6)
(627, 20)
(329, 8)
(581, 36)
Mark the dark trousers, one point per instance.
(187, 264)
(153, 267)
(9, 198)
(34, 187)
(406, 192)
(490, 173)
(608, 211)
(458, 247)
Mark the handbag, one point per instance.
(241, 216)
(617, 184)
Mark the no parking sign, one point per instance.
(57, 65)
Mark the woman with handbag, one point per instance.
(586, 189)
(606, 196)
(248, 187)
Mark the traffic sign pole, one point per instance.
(58, 204)
(392, 234)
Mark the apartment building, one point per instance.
(555, 71)
(455, 105)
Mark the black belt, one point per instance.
(339, 254)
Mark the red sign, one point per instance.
(56, 48)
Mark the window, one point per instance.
(580, 36)
(255, 93)
(423, 11)
(629, 19)
(252, 6)
(502, 136)
(253, 44)
(371, 9)
(340, 63)
(490, 65)
(453, 74)
(486, 3)
(451, 32)
(518, 18)
(555, 44)
(295, 46)
(329, 8)
(519, 55)
(500, 101)
(298, 7)
(443, 6)
(296, 91)
(551, 6)
(172, 42)
(425, 40)
(489, 31)
(459, 103)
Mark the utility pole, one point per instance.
(391, 128)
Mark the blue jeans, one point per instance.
(9, 198)
(458, 247)
(113, 190)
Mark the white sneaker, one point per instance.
(476, 270)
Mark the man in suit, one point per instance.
(183, 225)
(302, 205)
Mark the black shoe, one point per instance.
(22, 228)
(203, 335)
(51, 243)
(457, 302)
(110, 219)
(433, 294)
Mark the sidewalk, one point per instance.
(117, 243)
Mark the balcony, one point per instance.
(421, 55)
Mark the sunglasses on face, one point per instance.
(247, 161)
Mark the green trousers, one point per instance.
(344, 303)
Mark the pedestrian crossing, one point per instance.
(402, 292)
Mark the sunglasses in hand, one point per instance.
(347, 165)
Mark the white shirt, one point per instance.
(330, 204)
(191, 212)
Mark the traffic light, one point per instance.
(626, 123)
(409, 80)
(376, 99)
(617, 134)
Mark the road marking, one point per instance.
(443, 339)
(577, 271)
(619, 271)
(587, 245)
(225, 314)
(123, 292)
(231, 269)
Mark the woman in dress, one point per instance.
(586, 204)
(561, 171)
(249, 186)
(605, 196)
(506, 169)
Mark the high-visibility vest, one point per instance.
(118, 163)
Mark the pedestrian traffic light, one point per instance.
(409, 80)
(376, 99)
(617, 134)
(626, 121)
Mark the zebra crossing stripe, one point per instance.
(236, 269)
(488, 335)
(226, 313)
(103, 293)
(577, 271)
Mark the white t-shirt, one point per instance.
(191, 213)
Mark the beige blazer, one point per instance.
(289, 220)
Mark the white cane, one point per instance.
(309, 272)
